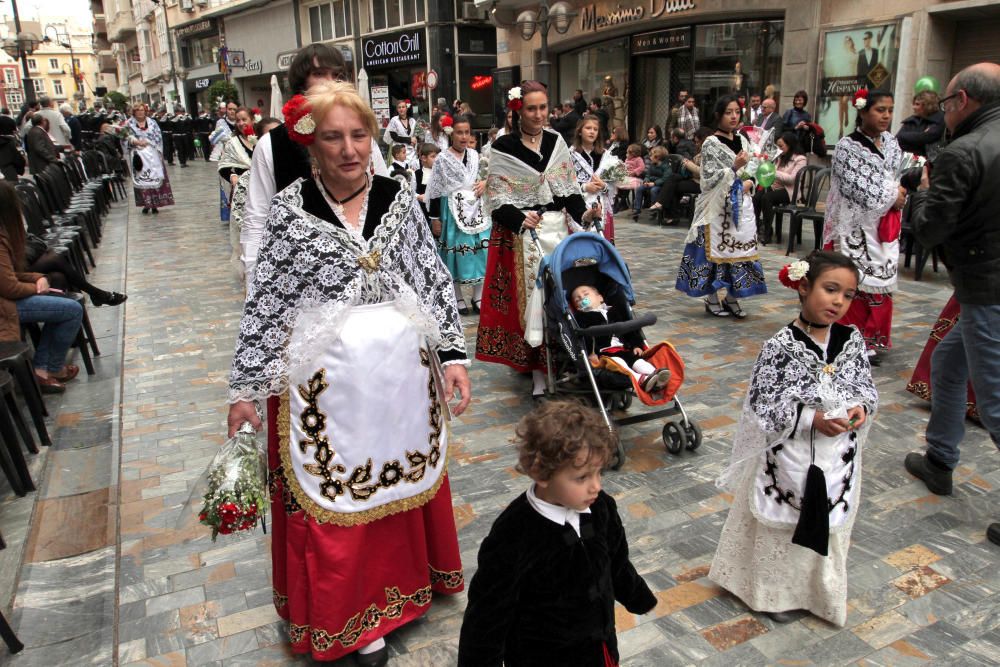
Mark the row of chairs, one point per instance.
(810, 183)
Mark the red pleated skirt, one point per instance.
(872, 314)
(341, 588)
(920, 381)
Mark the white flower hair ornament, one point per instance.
(792, 274)
(514, 96)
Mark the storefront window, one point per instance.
(740, 58)
(600, 71)
(199, 51)
(476, 88)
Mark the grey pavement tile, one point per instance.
(222, 648)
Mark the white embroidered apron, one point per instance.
(150, 176)
(366, 431)
(467, 211)
(551, 230)
(727, 243)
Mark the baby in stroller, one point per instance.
(627, 352)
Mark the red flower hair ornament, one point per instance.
(860, 100)
(299, 121)
(447, 124)
(792, 274)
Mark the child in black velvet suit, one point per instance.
(556, 559)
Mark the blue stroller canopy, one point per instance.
(586, 249)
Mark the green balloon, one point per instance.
(765, 174)
(197, 143)
(927, 83)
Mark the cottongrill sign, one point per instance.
(399, 48)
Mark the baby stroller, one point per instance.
(587, 258)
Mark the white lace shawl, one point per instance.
(396, 125)
(717, 178)
(449, 174)
(788, 374)
(511, 181)
(234, 156)
(863, 186)
(310, 272)
(151, 134)
(585, 172)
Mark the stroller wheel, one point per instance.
(674, 437)
(693, 433)
(620, 401)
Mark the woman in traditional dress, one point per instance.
(437, 134)
(225, 129)
(351, 333)
(234, 166)
(144, 147)
(454, 192)
(530, 185)
(863, 215)
(592, 162)
(795, 468)
(403, 130)
(721, 250)
(920, 381)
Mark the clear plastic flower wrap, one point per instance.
(233, 491)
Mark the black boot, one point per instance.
(936, 477)
(993, 533)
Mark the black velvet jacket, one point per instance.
(543, 596)
(590, 318)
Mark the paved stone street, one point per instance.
(108, 578)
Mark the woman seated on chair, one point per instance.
(27, 297)
(787, 168)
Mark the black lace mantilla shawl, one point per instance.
(790, 373)
(310, 270)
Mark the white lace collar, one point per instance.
(556, 513)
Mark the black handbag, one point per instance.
(136, 163)
(34, 247)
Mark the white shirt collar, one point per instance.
(556, 513)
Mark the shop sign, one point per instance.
(202, 83)
(662, 40)
(432, 79)
(285, 59)
(254, 65)
(400, 48)
(380, 104)
(194, 29)
(590, 19)
(235, 59)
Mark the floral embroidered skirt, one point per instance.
(463, 254)
(155, 197)
(920, 382)
(501, 321)
(700, 276)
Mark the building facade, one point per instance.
(11, 88)
(641, 53)
(64, 64)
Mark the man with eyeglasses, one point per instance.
(961, 213)
(278, 161)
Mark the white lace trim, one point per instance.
(717, 178)
(309, 272)
(788, 374)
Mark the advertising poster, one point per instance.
(858, 57)
(380, 104)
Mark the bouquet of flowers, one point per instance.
(236, 497)
(761, 147)
(615, 174)
(909, 161)
(121, 132)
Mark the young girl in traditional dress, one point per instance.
(795, 469)
(530, 185)
(454, 193)
(863, 214)
(403, 130)
(591, 161)
(721, 250)
(556, 559)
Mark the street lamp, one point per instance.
(19, 48)
(64, 40)
(170, 50)
(559, 16)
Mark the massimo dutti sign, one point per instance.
(592, 19)
(397, 48)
